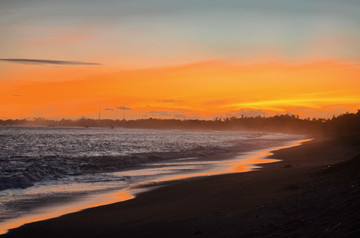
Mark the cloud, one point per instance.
(123, 108)
(41, 61)
(109, 109)
(16, 95)
(178, 114)
(161, 113)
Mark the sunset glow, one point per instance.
(178, 59)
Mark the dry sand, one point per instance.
(304, 195)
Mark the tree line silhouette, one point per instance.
(345, 126)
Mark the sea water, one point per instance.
(40, 165)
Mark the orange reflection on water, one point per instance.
(59, 210)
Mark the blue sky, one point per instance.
(159, 31)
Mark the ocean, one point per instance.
(43, 166)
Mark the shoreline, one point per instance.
(213, 206)
(234, 163)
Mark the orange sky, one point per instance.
(178, 59)
(200, 90)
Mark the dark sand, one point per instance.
(299, 197)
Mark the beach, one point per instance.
(312, 192)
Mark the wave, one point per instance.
(24, 171)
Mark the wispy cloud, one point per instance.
(42, 61)
(161, 113)
(16, 95)
(178, 114)
(279, 104)
(123, 108)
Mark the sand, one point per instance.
(313, 192)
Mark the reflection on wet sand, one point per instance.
(59, 210)
(242, 163)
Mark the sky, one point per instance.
(178, 59)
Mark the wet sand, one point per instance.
(313, 192)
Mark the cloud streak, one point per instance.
(123, 108)
(42, 61)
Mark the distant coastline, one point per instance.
(347, 124)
